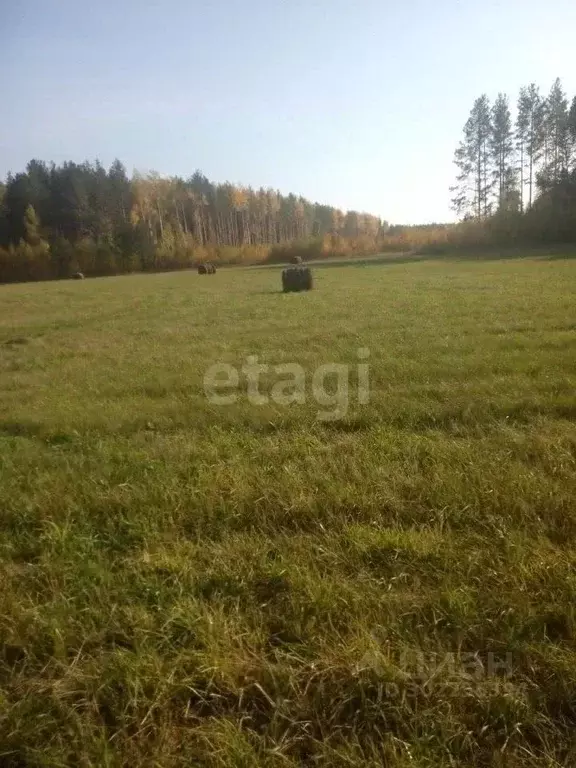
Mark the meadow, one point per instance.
(191, 584)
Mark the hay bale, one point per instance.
(78, 276)
(202, 269)
(296, 260)
(296, 278)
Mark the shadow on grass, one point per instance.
(496, 253)
(35, 431)
(564, 255)
(17, 342)
(462, 419)
(271, 292)
(376, 261)
(348, 425)
(456, 422)
(21, 429)
(459, 421)
(365, 261)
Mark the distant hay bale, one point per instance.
(78, 276)
(296, 279)
(206, 269)
(296, 260)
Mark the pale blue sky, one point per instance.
(356, 103)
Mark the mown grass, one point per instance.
(192, 584)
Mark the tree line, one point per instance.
(59, 219)
(516, 184)
(517, 167)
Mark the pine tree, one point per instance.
(119, 185)
(502, 151)
(571, 126)
(530, 135)
(473, 159)
(521, 137)
(556, 137)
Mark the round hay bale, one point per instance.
(202, 269)
(78, 276)
(296, 260)
(296, 278)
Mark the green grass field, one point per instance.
(193, 584)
